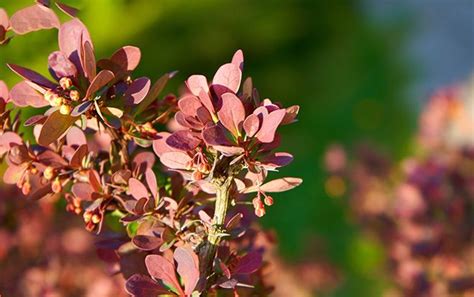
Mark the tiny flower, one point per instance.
(48, 173)
(74, 95)
(65, 109)
(95, 218)
(56, 100)
(87, 216)
(65, 83)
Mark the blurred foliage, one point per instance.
(346, 72)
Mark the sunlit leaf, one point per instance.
(33, 18)
(188, 267)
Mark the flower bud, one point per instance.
(268, 200)
(56, 186)
(65, 109)
(48, 173)
(65, 83)
(87, 216)
(33, 170)
(55, 100)
(74, 95)
(26, 188)
(260, 212)
(77, 210)
(256, 202)
(49, 95)
(96, 218)
(197, 175)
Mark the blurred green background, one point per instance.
(348, 71)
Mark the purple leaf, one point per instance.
(137, 90)
(61, 66)
(101, 80)
(70, 11)
(143, 286)
(22, 94)
(188, 267)
(127, 57)
(251, 125)
(137, 189)
(33, 18)
(32, 76)
(183, 140)
(277, 160)
(270, 123)
(160, 268)
(82, 191)
(281, 184)
(232, 113)
(196, 84)
(215, 137)
(175, 160)
(229, 76)
(249, 263)
(82, 108)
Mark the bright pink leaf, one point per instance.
(137, 189)
(281, 184)
(238, 59)
(270, 123)
(4, 21)
(175, 160)
(4, 95)
(229, 76)
(188, 267)
(196, 84)
(251, 125)
(232, 113)
(34, 18)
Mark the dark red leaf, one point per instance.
(147, 242)
(137, 90)
(88, 60)
(127, 57)
(143, 286)
(183, 140)
(101, 80)
(70, 11)
(33, 18)
(188, 267)
(82, 191)
(79, 154)
(249, 263)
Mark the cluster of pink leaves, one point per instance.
(93, 145)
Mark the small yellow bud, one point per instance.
(56, 186)
(74, 95)
(87, 216)
(48, 173)
(65, 83)
(49, 95)
(95, 218)
(56, 101)
(65, 109)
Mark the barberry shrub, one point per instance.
(183, 226)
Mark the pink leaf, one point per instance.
(75, 137)
(270, 123)
(137, 90)
(4, 95)
(137, 189)
(196, 84)
(101, 80)
(238, 59)
(143, 286)
(72, 35)
(150, 178)
(33, 18)
(82, 191)
(189, 105)
(14, 173)
(175, 160)
(207, 101)
(277, 160)
(4, 21)
(183, 140)
(281, 184)
(232, 113)
(61, 66)
(143, 161)
(160, 146)
(251, 125)
(127, 57)
(22, 94)
(229, 76)
(160, 268)
(188, 267)
(32, 76)
(7, 140)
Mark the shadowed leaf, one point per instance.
(101, 80)
(54, 128)
(32, 76)
(155, 90)
(82, 108)
(70, 11)
(137, 90)
(183, 140)
(146, 242)
(127, 57)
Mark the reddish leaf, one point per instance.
(251, 125)
(36, 119)
(232, 113)
(147, 242)
(32, 76)
(143, 286)
(159, 145)
(215, 135)
(127, 57)
(270, 123)
(50, 158)
(54, 127)
(4, 95)
(238, 59)
(188, 267)
(14, 173)
(137, 189)
(155, 90)
(143, 161)
(160, 268)
(22, 94)
(70, 11)
(61, 66)
(189, 105)
(196, 84)
(290, 116)
(94, 180)
(79, 154)
(72, 35)
(281, 184)
(101, 80)
(229, 76)
(137, 90)
(33, 18)
(249, 263)
(150, 178)
(4, 21)
(278, 160)
(183, 140)
(88, 60)
(207, 101)
(175, 160)
(76, 137)
(7, 140)
(82, 191)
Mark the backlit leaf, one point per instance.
(188, 267)
(137, 90)
(61, 66)
(101, 80)
(232, 113)
(270, 123)
(143, 286)
(281, 184)
(22, 94)
(229, 76)
(33, 18)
